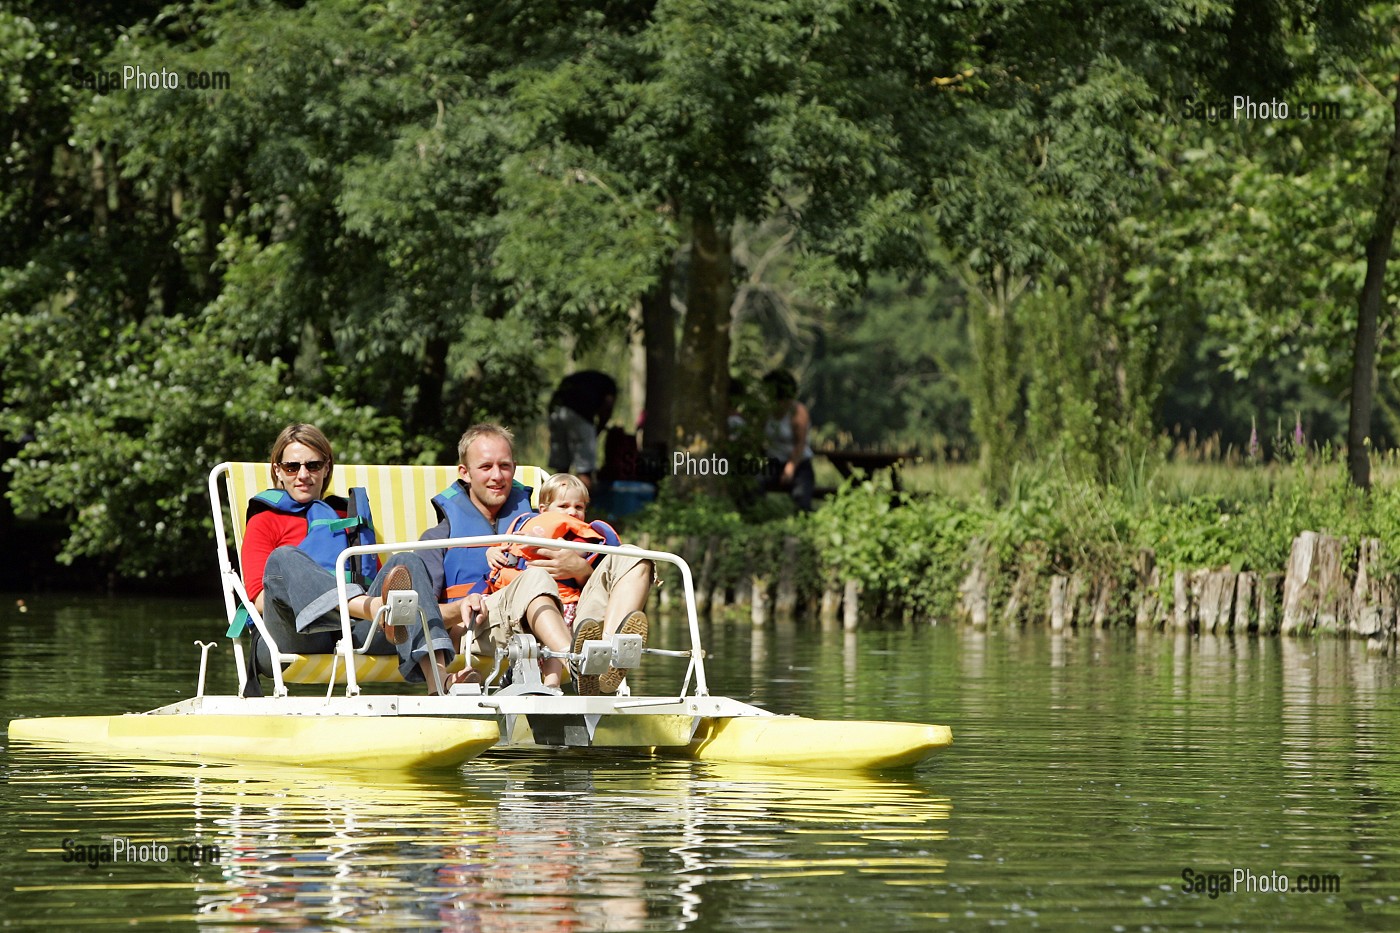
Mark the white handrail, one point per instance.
(697, 655)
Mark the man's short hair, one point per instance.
(484, 429)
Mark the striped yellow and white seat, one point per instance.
(401, 501)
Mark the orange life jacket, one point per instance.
(559, 526)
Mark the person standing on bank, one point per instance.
(578, 409)
(786, 435)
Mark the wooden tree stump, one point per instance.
(1299, 593)
(719, 598)
(743, 592)
(703, 550)
(1182, 613)
(1148, 577)
(1059, 603)
(831, 605)
(851, 604)
(1373, 597)
(1269, 611)
(1105, 589)
(1016, 604)
(1246, 608)
(1217, 592)
(1078, 596)
(973, 601)
(1334, 585)
(785, 603)
(758, 609)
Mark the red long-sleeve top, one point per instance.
(266, 532)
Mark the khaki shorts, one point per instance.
(505, 609)
(593, 601)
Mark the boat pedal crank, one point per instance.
(616, 650)
(597, 658)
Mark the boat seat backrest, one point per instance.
(399, 496)
(401, 502)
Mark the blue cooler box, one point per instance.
(627, 496)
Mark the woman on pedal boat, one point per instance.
(292, 538)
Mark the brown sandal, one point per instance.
(398, 578)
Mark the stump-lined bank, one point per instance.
(1326, 588)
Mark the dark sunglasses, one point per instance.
(293, 467)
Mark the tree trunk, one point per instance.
(427, 415)
(1363, 373)
(659, 333)
(704, 357)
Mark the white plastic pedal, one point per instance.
(627, 650)
(403, 607)
(597, 657)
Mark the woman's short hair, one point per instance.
(311, 436)
(782, 383)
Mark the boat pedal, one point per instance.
(403, 607)
(597, 658)
(627, 651)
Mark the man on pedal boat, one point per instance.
(485, 500)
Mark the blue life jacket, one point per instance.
(327, 533)
(465, 569)
(363, 567)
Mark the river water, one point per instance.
(1089, 775)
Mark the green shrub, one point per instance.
(911, 552)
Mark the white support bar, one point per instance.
(697, 655)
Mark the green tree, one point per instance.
(1290, 222)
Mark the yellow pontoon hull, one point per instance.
(383, 742)
(794, 741)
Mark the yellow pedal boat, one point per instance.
(418, 731)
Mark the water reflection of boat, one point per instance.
(549, 845)
(401, 731)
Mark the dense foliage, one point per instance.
(976, 228)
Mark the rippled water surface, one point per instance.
(1089, 773)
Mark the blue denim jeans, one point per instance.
(300, 608)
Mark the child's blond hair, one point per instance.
(557, 485)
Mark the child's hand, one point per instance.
(498, 556)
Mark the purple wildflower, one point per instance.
(1253, 440)
(1298, 429)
